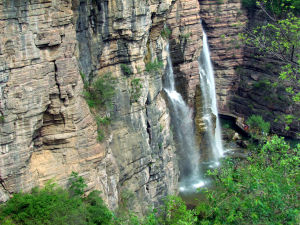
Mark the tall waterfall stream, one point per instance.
(210, 109)
(184, 132)
(192, 176)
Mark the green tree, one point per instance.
(259, 129)
(77, 184)
(175, 212)
(278, 36)
(52, 205)
(261, 190)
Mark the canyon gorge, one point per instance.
(49, 49)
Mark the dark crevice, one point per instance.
(148, 128)
(56, 78)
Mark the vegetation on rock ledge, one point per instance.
(99, 95)
(260, 190)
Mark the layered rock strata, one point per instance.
(47, 130)
(223, 21)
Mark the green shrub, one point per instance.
(102, 122)
(53, 205)
(1, 118)
(166, 32)
(262, 84)
(136, 90)
(174, 211)
(154, 66)
(126, 197)
(85, 80)
(126, 70)
(77, 184)
(161, 127)
(249, 4)
(261, 190)
(98, 213)
(99, 95)
(185, 36)
(258, 127)
(49, 205)
(226, 126)
(100, 92)
(288, 120)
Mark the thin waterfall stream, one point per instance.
(190, 178)
(210, 110)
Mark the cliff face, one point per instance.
(244, 78)
(223, 22)
(117, 33)
(47, 129)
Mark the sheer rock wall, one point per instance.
(48, 131)
(46, 128)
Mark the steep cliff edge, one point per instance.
(47, 129)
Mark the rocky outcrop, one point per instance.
(118, 33)
(47, 129)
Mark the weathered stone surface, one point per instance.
(223, 22)
(186, 45)
(142, 144)
(48, 130)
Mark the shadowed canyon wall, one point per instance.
(243, 76)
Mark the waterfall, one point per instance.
(210, 110)
(181, 114)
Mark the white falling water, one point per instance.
(183, 124)
(207, 82)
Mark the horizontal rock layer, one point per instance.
(48, 131)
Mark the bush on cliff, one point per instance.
(100, 92)
(260, 190)
(259, 129)
(54, 205)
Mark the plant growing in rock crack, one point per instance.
(77, 184)
(185, 36)
(136, 90)
(166, 32)
(154, 66)
(102, 123)
(99, 95)
(125, 199)
(161, 127)
(100, 92)
(126, 70)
